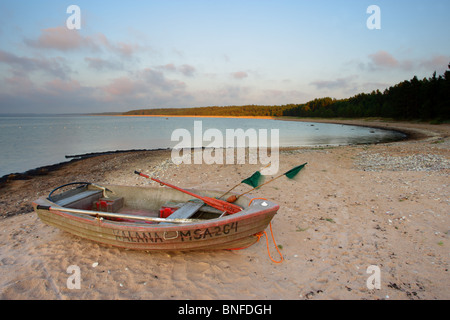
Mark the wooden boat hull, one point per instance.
(235, 231)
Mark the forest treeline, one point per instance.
(248, 110)
(426, 99)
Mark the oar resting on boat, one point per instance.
(221, 205)
(116, 215)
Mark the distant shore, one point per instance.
(412, 130)
(195, 116)
(401, 127)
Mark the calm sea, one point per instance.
(31, 142)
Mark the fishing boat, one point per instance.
(154, 218)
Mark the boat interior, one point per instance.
(152, 202)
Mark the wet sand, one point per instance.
(384, 205)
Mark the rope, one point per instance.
(256, 199)
(273, 239)
(259, 235)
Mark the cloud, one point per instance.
(21, 94)
(63, 39)
(241, 95)
(58, 86)
(340, 83)
(55, 66)
(144, 88)
(168, 67)
(19, 83)
(439, 63)
(273, 96)
(140, 89)
(383, 59)
(223, 95)
(125, 49)
(99, 64)
(185, 69)
(239, 75)
(158, 79)
(121, 86)
(146, 81)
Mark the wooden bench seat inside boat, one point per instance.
(187, 210)
(81, 200)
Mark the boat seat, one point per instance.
(187, 210)
(81, 200)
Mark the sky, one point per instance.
(137, 54)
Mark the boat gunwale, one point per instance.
(195, 241)
(120, 225)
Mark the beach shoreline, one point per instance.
(43, 170)
(354, 206)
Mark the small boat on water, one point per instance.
(153, 218)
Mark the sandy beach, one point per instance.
(384, 205)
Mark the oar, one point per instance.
(290, 174)
(221, 205)
(115, 215)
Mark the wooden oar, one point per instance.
(221, 205)
(115, 215)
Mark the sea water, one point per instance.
(31, 142)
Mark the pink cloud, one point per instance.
(168, 67)
(239, 75)
(383, 59)
(58, 86)
(121, 86)
(60, 38)
(435, 63)
(63, 39)
(19, 83)
(125, 49)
